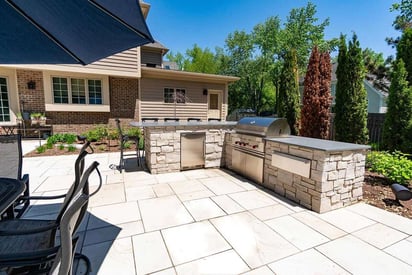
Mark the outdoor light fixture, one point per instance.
(31, 85)
(205, 92)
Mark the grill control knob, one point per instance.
(254, 146)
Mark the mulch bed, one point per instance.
(376, 190)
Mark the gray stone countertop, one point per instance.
(183, 123)
(319, 144)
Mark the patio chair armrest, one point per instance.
(28, 231)
(43, 197)
(25, 178)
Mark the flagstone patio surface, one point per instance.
(212, 221)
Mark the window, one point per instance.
(75, 90)
(4, 101)
(78, 91)
(172, 95)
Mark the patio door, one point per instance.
(214, 102)
(4, 101)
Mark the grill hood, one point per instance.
(263, 126)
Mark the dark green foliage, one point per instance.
(351, 98)
(63, 138)
(404, 52)
(289, 107)
(397, 128)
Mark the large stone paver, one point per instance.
(359, 257)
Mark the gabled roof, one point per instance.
(157, 46)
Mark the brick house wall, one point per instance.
(32, 100)
(123, 104)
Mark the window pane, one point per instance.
(213, 102)
(78, 91)
(95, 91)
(4, 101)
(180, 96)
(168, 95)
(60, 91)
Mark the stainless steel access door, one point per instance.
(192, 150)
(248, 163)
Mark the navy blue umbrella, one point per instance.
(69, 31)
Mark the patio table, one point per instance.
(10, 190)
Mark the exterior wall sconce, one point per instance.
(31, 85)
(204, 91)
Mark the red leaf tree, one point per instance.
(316, 96)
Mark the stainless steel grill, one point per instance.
(263, 126)
(248, 144)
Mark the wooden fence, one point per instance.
(375, 127)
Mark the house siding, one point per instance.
(152, 101)
(126, 61)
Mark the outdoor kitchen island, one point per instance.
(321, 175)
(172, 146)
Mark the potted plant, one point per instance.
(35, 118)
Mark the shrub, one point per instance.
(127, 145)
(97, 133)
(112, 134)
(133, 132)
(68, 138)
(71, 148)
(41, 149)
(394, 166)
(61, 147)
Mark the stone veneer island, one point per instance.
(321, 175)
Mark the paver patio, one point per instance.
(211, 221)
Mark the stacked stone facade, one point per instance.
(162, 146)
(335, 181)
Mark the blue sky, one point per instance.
(179, 24)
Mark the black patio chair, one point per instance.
(123, 139)
(11, 164)
(28, 245)
(78, 171)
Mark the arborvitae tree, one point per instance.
(325, 98)
(341, 95)
(404, 52)
(398, 119)
(351, 98)
(289, 92)
(310, 123)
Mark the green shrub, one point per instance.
(127, 145)
(61, 147)
(112, 134)
(98, 133)
(394, 166)
(49, 145)
(41, 149)
(71, 148)
(69, 138)
(133, 132)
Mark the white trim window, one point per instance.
(4, 101)
(174, 95)
(77, 90)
